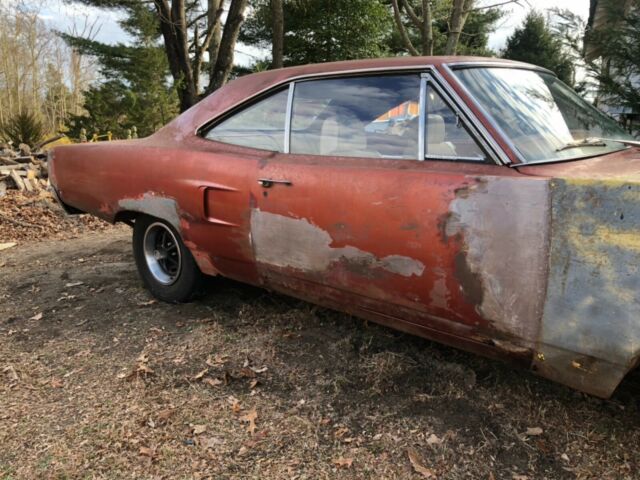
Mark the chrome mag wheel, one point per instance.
(162, 253)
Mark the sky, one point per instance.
(62, 15)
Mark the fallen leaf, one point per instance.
(214, 382)
(343, 462)
(164, 415)
(74, 284)
(146, 304)
(414, 458)
(253, 384)
(200, 375)
(143, 358)
(250, 418)
(56, 383)
(235, 407)
(199, 429)
(147, 452)
(247, 373)
(217, 360)
(11, 372)
(259, 370)
(341, 432)
(37, 316)
(210, 442)
(534, 431)
(433, 440)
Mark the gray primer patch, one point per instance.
(156, 206)
(591, 325)
(296, 243)
(503, 222)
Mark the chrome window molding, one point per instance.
(489, 64)
(466, 119)
(304, 77)
(489, 118)
(287, 120)
(474, 123)
(422, 121)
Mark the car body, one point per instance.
(442, 196)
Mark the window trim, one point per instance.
(495, 153)
(429, 81)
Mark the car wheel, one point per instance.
(166, 266)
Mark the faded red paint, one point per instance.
(373, 237)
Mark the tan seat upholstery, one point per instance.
(343, 134)
(436, 135)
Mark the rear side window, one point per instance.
(357, 117)
(446, 136)
(260, 125)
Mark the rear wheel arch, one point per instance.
(186, 283)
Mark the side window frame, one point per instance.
(428, 81)
(239, 108)
(428, 77)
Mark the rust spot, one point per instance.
(470, 281)
(409, 226)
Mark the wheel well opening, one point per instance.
(126, 216)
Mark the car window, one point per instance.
(445, 133)
(357, 117)
(260, 125)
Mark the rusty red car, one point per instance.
(476, 202)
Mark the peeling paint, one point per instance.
(502, 225)
(288, 242)
(154, 205)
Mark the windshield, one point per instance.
(544, 119)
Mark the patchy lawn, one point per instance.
(99, 381)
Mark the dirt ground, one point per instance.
(99, 381)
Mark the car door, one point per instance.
(231, 150)
(363, 216)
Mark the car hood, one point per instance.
(619, 166)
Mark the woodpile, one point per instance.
(22, 170)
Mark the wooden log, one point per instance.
(7, 161)
(17, 180)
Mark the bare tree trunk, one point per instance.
(427, 28)
(224, 61)
(277, 51)
(214, 13)
(459, 14)
(173, 26)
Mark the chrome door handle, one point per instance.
(268, 182)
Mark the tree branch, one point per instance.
(417, 21)
(403, 30)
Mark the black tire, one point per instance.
(174, 281)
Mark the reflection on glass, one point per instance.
(260, 125)
(541, 116)
(356, 117)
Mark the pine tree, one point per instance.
(135, 88)
(535, 43)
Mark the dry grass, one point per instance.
(108, 384)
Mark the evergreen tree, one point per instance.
(535, 43)
(322, 31)
(135, 89)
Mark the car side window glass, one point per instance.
(446, 136)
(260, 125)
(374, 116)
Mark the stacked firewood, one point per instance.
(22, 169)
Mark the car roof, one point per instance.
(245, 87)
